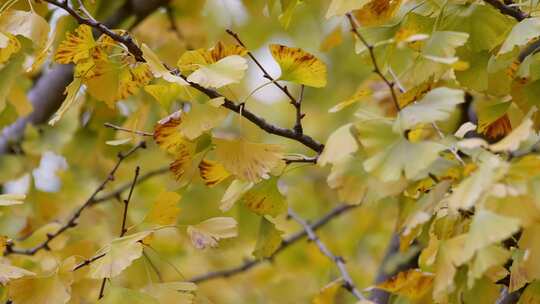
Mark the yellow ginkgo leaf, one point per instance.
(328, 293)
(71, 93)
(165, 210)
(209, 232)
(268, 241)
(234, 192)
(191, 60)
(485, 259)
(341, 7)
(360, 94)
(377, 12)
(264, 198)
(183, 161)
(201, 118)
(226, 71)
(44, 289)
(299, 66)
(9, 45)
(157, 68)
(27, 24)
(168, 135)
(212, 172)
(513, 140)
(172, 292)
(10, 272)
(11, 199)
(340, 144)
(411, 283)
(222, 50)
(116, 294)
(248, 161)
(117, 255)
(77, 46)
(166, 93)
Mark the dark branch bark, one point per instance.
(247, 265)
(513, 12)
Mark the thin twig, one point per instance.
(348, 283)
(376, 68)
(126, 202)
(248, 264)
(238, 108)
(126, 186)
(308, 160)
(102, 288)
(72, 221)
(511, 11)
(266, 75)
(299, 115)
(88, 262)
(118, 128)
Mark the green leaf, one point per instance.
(265, 199)
(268, 241)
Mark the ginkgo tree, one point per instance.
(168, 151)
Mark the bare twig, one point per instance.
(248, 264)
(511, 11)
(102, 288)
(118, 128)
(126, 202)
(308, 160)
(126, 186)
(348, 283)
(72, 221)
(266, 75)
(299, 115)
(376, 68)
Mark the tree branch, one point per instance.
(248, 264)
(376, 68)
(118, 128)
(126, 201)
(72, 221)
(513, 12)
(48, 92)
(338, 260)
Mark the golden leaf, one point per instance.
(77, 46)
(299, 66)
(212, 172)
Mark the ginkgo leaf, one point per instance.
(117, 255)
(167, 133)
(11, 199)
(77, 46)
(359, 95)
(447, 258)
(485, 259)
(487, 228)
(234, 192)
(470, 190)
(157, 68)
(226, 71)
(172, 292)
(411, 283)
(299, 66)
(377, 12)
(201, 118)
(264, 198)
(165, 209)
(10, 272)
(71, 93)
(340, 7)
(116, 294)
(9, 45)
(328, 293)
(521, 33)
(209, 232)
(248, 161)
(165, 94)
(340, 144)
(183, 161)
(44, 289)
(27, 24)
(513, 140)
(441, 46)
(212, 172)
(268, 241)
(436, 105)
